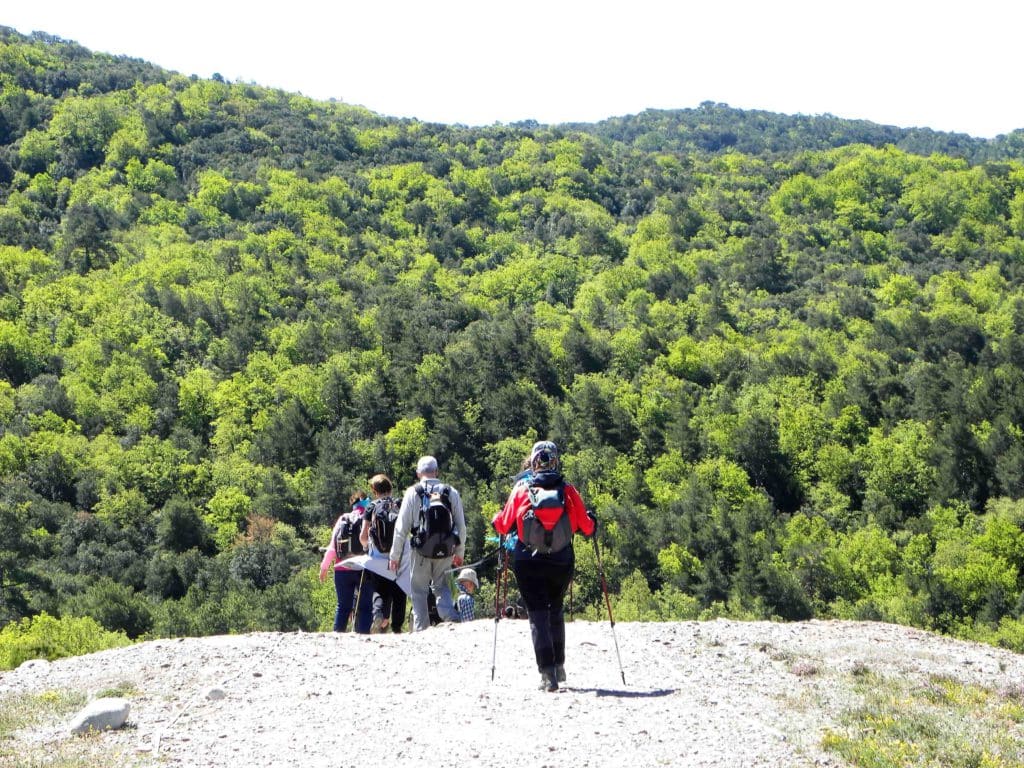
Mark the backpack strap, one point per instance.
(428, 486)
(424, 496)
(423, 491)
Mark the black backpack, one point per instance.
(346, 536)
(436, 535)
(382, 523)
(548, 494)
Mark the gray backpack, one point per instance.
(536, 537)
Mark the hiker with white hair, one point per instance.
(432, 518)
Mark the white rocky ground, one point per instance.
(718, 693)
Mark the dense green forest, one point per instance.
(783, 354)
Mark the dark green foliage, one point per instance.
(260, 564)
(52, 477)
(85, 242)
(335, 477)
(767, 466)
(717, 128)
(163, 577)
(286, 608)
(114, 606)
(278, 500)
(17, 550)
(633, 543)
(180, 527)
(288, 441)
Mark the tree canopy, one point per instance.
(782, 354)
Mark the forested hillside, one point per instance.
(783, 355)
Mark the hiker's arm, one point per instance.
(505, 520)
(403, 526)
(578, 516)
(460, 522)
(364, 534)
(330, 555)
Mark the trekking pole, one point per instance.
(572, 614)
(607, 602)
(478, 563)
(497, 610)
(504, 593)
(359, 594)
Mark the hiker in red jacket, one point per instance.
(544, 512)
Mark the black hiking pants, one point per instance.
(392, 601)
(543, 581)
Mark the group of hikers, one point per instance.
(383, 550)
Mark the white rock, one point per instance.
(101, 715)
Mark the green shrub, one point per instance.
(289, 607)
(45, 637)
(324, 600)
(636, 602)
(116, 607)
(260, 564)
(1008, 634)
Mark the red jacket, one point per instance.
(518, 504)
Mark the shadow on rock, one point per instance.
(626, 694)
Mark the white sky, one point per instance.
(929, 63)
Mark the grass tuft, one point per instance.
(942, 723)
(123, 690)
(25, 711)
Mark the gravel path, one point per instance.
(718, 693)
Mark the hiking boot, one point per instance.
(548, 680)
(560, 673)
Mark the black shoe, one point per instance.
(548, 680)
(560, 673)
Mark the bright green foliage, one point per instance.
(897, 485)
(781, 354)
(406, 442)
(227, 509)
(44, 637)
(636, 603)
